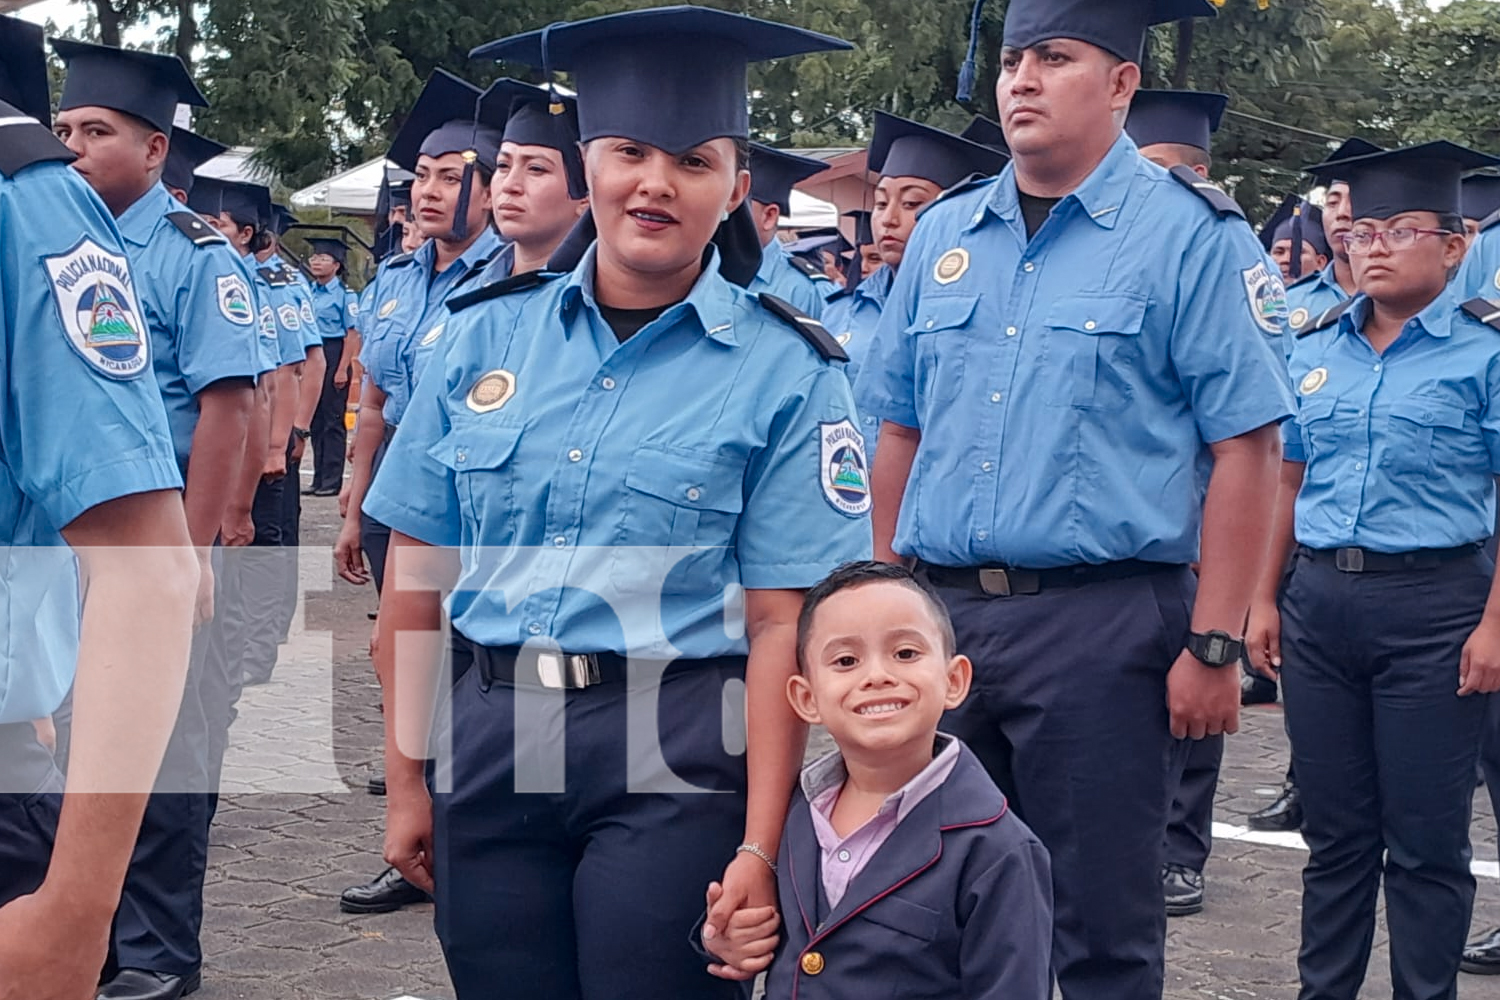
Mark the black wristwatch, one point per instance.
(301, 433)
(1215, 649)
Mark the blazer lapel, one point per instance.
(914, 846)
(802, 855)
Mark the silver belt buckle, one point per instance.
(567, 672)
(995, 582)
(1349, 560)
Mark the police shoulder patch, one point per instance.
(1266, 296)
(1220, 202)
(1485, 311)
(307, 312)
(505, 286)
(815, 333)
(96, 301)
(27, 141)
(289, 317)
(844, 472)
(1326, 319)
(233, 295)
(191, 225)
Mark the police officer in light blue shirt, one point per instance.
(773, 174)
(1385, 640)
(639, 451)
(1310, 296)
(1481, 269)
(78, 355)
(336, 309)
(1059, 367)
(196, 303)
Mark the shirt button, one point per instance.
(462, 455)
(575, 455)
(1359, 466)
(1090, 325)
(981, 534)
(1029, 267)
(560, 541)
(843, 855)
(995, 397)
(929, 324)
(694, 493)
(1377, 368)
(1011, 331)
(1348, 521)
(607, 382)
(987, 466)
(534, 628)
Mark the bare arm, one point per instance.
(893, 463)
(311, 389)
(224, 411)
(369, 431)
(352, 345)
(283, 411)
(1263, 637)
(239, 528)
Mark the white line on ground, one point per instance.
(1293, 841)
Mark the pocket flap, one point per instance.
(1310, 408)
(904, 916)
(471, 449)
(1118, 313)
(695, 481)
(943, 312)
(1429, 412)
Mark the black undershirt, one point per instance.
(626, 323)
(1035, 211)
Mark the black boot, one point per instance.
(1285, 814)
(1183, 889)
(386, 894)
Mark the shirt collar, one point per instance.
(711, 300)
(140, 220)
(829, 772)
(877, 286)
(1100, 196)
(770, 257)
(1436, 320)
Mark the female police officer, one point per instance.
(538, 192)
(639, 460)
(1389, 625)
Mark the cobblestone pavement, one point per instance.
(280, 858)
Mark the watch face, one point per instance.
(1217, 648)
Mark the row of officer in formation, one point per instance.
(1310, 463)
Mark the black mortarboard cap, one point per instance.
(245, 202)
(187, 152)
(864, 234)
(333, 248)
(400, 194)
(1300, 222)
(23, 69)
(1116, 26)
(1421, 178)
(282, 219)
(442, 121)
(986, 133)
(774, 172)
(671, 77)
(541, 119)
(904, 148)
(143, 84)
(811, 247)
(1480, 196)
(1181, 117)
(1327, 173)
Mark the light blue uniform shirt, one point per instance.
(1308, 299)
(407, 301)
(335, 307)
(1480, 274)
(276, 294)
(1401, 447)
(779, 276)
(83, 421)
(198, 306)
(1067, 389)
(853, 318)
(549, 451)
(303, 295)
(294, 311)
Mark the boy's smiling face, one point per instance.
(877, 672)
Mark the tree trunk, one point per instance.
(187, 32)
(109, 22)
(1184, 54)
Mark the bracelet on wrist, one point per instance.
(759, 852)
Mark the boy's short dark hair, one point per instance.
(857, 574)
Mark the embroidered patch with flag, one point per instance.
(234, 300)
(307, 313)
(96, 302)
(354, 307)
(289, 317)
(844, 471)
(267, 323)
(1266, 296)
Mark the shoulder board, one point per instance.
(1220, 202)
(1485, 311)
(474, 273)
(808, 268)
(842, 293)
(1309, 276)
(815, 333)
(495, 289)
(194, 228)
(273, 276)
(26, 141)
(967, 184)
(1490, 221)
(400, 260)
(1326, 320)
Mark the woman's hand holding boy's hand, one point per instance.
(747, 942)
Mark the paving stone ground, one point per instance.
(296, 827)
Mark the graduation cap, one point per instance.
(1421, 178)
(400, 195)
(670, 77)
(451, 116)
(904, 148)
(864, 234)
(23, 69)
(1180, 117)
(333, 248)
(282, 219)
(534, 121)
(246, 203)
(188, 151)
(1328, 173)
(1480, 196)
(1116, 26)
(811, 240)
(142, 84)
(986, 133)
(774, 172)
(1300, 222)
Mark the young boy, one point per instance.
(902, 873)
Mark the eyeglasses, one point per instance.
(1400, 238)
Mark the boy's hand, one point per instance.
(748, 942)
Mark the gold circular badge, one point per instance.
(844, 338)
(1497, 279)
(1298, 318)
(1313, 381)
(951, 266)
(492, 391)
(812, 963)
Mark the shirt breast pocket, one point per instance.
(480, 455)
(1316, 425)
(1420, 433)
(681, 512)
(1092, 357)
(943, 326)
(909, 919)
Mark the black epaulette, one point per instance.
(1220, 202)
(842, 293)
(475, 273)
(400, 260)
(815, 333)
(191, 225)
(275, 277)
(1309, 276)
(808, 268)
(969, 183)
(505, 286)
(1485, 311)
(1326, 320)
(24, 141)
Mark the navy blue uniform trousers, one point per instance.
(1385, 753)
(1190, 815)
(30, 799)
(588, 888)
(1068, 713)
(330, 436)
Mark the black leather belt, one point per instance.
(556, 671)
(1365, 561)
(1009, 581)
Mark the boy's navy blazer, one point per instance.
(961, 893)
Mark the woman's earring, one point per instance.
(725, 216)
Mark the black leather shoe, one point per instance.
(1482, 955)
(322, 491)
(1257, 690)
(376, 784)
(1285, 814)
(387, 894)
(138, 984)
(1183, 889)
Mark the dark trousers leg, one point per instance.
(291, 540)
(30, 800)
(1063, 682)
(374, 537)
(262, 579)
(1489, 754)
(1190, 817)
(329, 435)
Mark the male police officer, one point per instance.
(773, 174)
(76, 350)
(116, 115)
(1066, 351)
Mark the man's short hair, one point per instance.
(858, 574)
